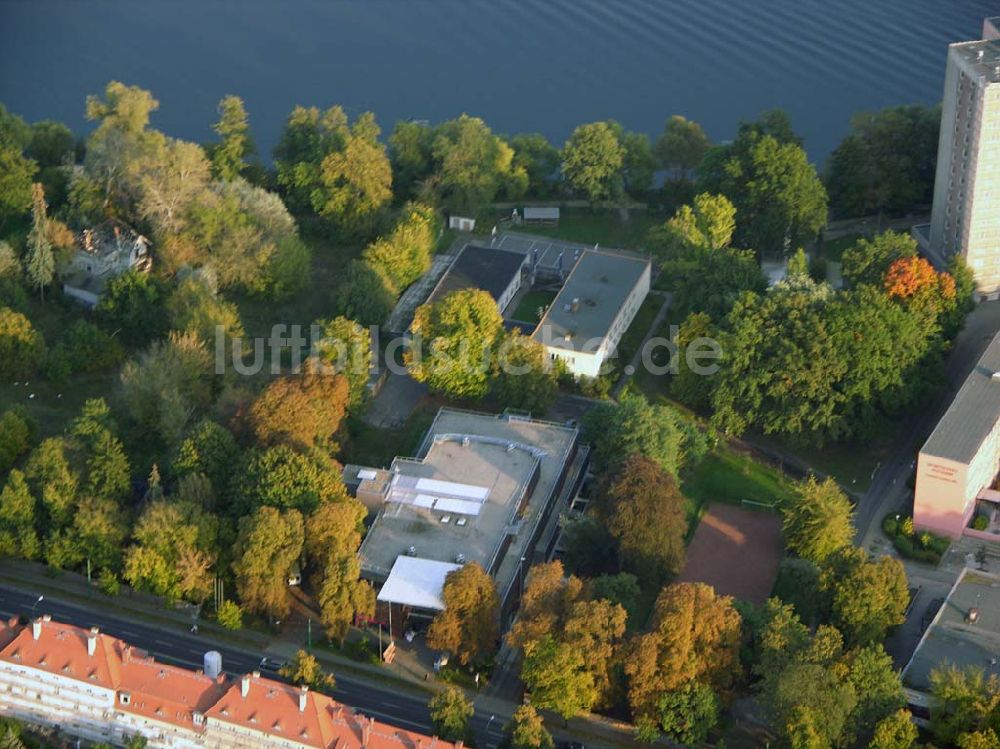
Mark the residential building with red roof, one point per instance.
(95, 687)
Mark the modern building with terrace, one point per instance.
(958, 465)
(483, 488)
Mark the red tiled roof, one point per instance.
(62, 649)
(165, 693)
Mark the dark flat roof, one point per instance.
(486, 268)
(972, 415)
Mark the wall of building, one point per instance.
(939, 503)
(158, 734)
(505, 299)
(44, 699)
(982, 248)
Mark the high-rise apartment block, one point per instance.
(966, 215)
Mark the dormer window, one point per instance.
(124, 697)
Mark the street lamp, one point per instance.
(35, 605)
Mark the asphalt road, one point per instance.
(396, 707)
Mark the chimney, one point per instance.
(459, 744)
(303, 698)
(245, 685)
(92, 641)
(36, 629)
(366, 731)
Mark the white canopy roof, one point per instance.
(416, 582)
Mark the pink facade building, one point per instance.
(958, 465)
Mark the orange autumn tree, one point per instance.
(914, 279)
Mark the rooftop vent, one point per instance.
(460, 559)
(973, 616)
(445, 519)
(460, 522)
(412, 551)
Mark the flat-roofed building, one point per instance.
(964, 632)
(965, 219)
(495, 271)
(481, 490)
(585, 322)
(959, 462)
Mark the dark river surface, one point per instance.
(534, 65)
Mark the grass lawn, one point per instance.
(852, 465)
(527, 310)
(729, 476)
(55, 405)
(600, 227)
(833, 249)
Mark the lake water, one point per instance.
(534, 65)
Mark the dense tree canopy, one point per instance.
(818, 519)
(592, 161)
(268, 544)
(681, 146)
(469, 625)
(644, 511)
(229, 156)
(780, 201)
(886, 163)
(456, 340)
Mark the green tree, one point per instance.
(230, 615)
(592, 161)
(355, 181)
(818, 519)
(363, 295)
(52, 144)
(526, 379)
(780, 201)
(283, 478)
(196, 307)
(410, 155)
(644, 511)
(268, 544)
(132, 307)
(208, 449)
(17, 174)
(468, 626)
(332, 540)
(455, 343)
(622, 589)
(166, 384)
(305, 670)
(40, 263)
(869, 259)
(810, 700)
(869, 596)
(235, 146)
(878, 686)
(17, 431)
(707, 224)
(17, 519)
(557, 677)
(345, 346)
(689, 386)
(308, 137)
(539, 159)
(526, 730)
(689, 713)
(54, 481)
(694, 636)
(451, 712)
(22, 348)
(681, 146)
(174, 551)
(638, 162)
(896, 731)
(98, 532)
(472, 166)
(633, 426)
(886, 163)
(962, 700)
(404, 255)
